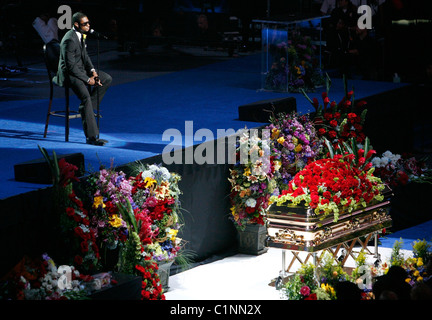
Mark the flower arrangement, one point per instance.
(153, 194)
(295, 144)
(155, 191)
(342, 183)
(108, 189)
(294, 65)
(396, 169)
(78, 236)
(134, 259)
(312, 282)
(138, 216)
(415, 266)
(320, 282)
(142, 215)
(339, 122)
(251, 180)
(40, 279)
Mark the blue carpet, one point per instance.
(408, 236)
(136, 114)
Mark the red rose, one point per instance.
(84, 246)
(70, 211)
(250, 210)
(80, 233)
(333, 104)
(312, 296)
(332, 134)
(328, 115)
(333, 123)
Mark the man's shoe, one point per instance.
(97, 142)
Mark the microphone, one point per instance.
(97, 34)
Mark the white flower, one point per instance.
(153, 168)
(251, 202)
(165, 173)
(146, 174)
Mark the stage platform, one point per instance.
(136, 112)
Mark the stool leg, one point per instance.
(49, 109)
(67, 115)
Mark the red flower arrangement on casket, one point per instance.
(342, 183)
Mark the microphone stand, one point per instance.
(97, 87)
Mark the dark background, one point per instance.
(406, 49)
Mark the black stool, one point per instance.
(51, 57)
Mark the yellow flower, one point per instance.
(173, 234)
(115, 221)
(247, 172)
(416, 273)
(281, 140)
(419, 262)
(277, 165)
(234, 213)
(419, 279)
(149, 182)
(98, 201)
(275, 133)
(328, 288)
(407, 280)
(298, 148)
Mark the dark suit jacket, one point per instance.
(74, 60)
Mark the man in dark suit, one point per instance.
(76, 70)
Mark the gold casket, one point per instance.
(298, 228)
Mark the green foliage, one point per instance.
(421, 249)
(331, 271)
(397, 258)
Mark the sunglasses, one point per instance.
(85, 23)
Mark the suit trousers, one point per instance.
(89, 101)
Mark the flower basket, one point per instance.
(252, 239)
(299, 228)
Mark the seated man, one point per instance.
(77, 70)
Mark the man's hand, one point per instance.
(95, 81)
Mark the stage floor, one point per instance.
(152, 91)
(243, 277)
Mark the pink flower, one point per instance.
(305, 291)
